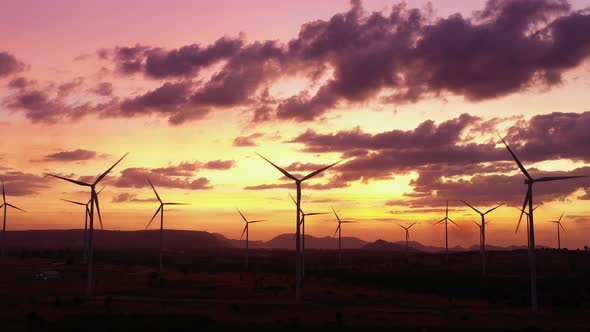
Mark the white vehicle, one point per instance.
(47, 275)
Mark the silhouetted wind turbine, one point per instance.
(559, 225)
(527, 222)
(86, 214)
(303, 215)
(5, 205)
(93, 202)
(247, 231)
(529, 181)
(298, 274)
(339, 231)
(161, 211)
(483, 234)
(407, 229)
(446, 219)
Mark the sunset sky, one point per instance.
(410, 95)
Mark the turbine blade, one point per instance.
(98, 211)
(73, 202)
(412, 225)
(80, 183)
(522, 211)
(316, 213)
(172, 203)
(454, 223)
(244, 231)
(97, 193)
(285, 173)
(476, 224)
(240, 212)
(336, 214)
(348, 221)
(155, 192)
(560, 225)
(293, 199)
(555, 178)
(524, 171)
(312, 174)
(108, 170)
(447, 211)
(474, 209)
(492, 209)
(255, 221)
(155, 214)
(402, 226)
(3, 192)
(537, 206)
(561, 216)
(14, 207)
(337, 228)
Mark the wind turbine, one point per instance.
(446, 219)
(298, 181)
(5, 206)
(247, 231)
(161, 211)
(86, 214)
(93, 202)
(559, 225)
(339, 231)
(529, 181)
(482, 234)
(407, 229)
(527, 222)
(303, 215)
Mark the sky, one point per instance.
(410, 96)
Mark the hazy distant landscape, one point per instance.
(184, 239)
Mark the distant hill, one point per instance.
(182, 239)
(72, 238)
(382, 245)
(287, 241)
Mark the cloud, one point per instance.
(104, 89)
(401, 55)
(20, 83)
(450, 165)
(9, 65)
(127, 198)
(22, 184)
(185, 61)
(552, 136)
(73, 155)
(137, 178)
(249, 140)
(181, 176)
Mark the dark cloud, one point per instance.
(137, 178)
(449, 164)
(126, 198)
(487, 190)
(22, 184)
(219, 164)
(182, 176)
(20, 83)
(552, 136)
(248, 140)
(73, 155)
(104, 89)
(401, 55)
(187, 60)
(9, 64)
